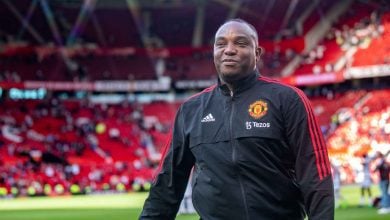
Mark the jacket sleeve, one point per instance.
(172, 176)
(312, 167)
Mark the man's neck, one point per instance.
(239, 85)
(232, 86)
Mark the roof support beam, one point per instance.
(25, 21)
(291, 8)
(84, 14)
(197, 36)
(52, 23)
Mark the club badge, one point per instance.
(258, 109)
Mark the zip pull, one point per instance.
(231, 93)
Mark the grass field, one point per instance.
(128, 206)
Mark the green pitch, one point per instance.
(128, 206)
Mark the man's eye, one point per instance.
(242, 43)
(218, 44)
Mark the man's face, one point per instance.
(235, 51)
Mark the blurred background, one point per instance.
(89, 90)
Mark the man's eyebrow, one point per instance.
(242, 37)
(236, 37)
(220, 38)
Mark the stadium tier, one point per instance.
(89, 89)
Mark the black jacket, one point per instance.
(257, 154)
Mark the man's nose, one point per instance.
(230, 49)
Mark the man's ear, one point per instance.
(259, 52)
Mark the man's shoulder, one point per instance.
(278, 86)
(194, 99)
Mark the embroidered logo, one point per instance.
(258, 109)
(208, 118)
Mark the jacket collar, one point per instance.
(240, 85)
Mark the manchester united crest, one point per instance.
(258, 109)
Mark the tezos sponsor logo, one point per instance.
(253, 124)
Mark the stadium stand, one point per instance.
(65, 137)
(82, 135)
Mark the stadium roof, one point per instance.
(136, 22)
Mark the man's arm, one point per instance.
(169, 186)
(312, 165)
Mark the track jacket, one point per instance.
(257, 154)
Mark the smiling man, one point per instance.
(254, 144)
(236, 51)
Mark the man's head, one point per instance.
(236, 50)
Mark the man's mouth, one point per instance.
(229, 62)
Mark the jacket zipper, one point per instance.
(234, 157)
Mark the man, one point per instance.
(255, 146)
(335, 169)
(366, 182)
(384, 175)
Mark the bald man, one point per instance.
(254, 144)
